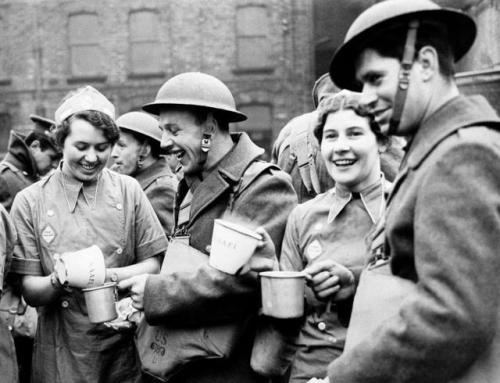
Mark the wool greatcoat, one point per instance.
(160, 183)
(443, 233)
(205, 295)
(17, 170)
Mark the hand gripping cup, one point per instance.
(282, 293)
(81, 269)
(100, 302)
(232, 246)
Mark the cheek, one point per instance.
(326, 151)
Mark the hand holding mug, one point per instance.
(330, 280)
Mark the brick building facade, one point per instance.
(262, 49)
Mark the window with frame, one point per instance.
(252, 31)
(145, 52)
(85, 50)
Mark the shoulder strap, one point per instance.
(302, 149)
(299, 149)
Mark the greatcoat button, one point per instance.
(321, 326)
(64, 304)
(119, 206)
(119, 250)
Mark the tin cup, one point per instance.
(83, 268)
(282, 293)
(232, 246)
(100, 302)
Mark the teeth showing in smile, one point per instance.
(88, 167)
(344, 162)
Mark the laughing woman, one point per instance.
(326, 236)
(82, 204)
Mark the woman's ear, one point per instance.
(382, 147)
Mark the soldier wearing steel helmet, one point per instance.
(138, 154)
(427, 306)
(223, 177)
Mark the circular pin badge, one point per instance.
(314, 249)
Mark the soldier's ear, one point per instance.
(429, 62)
(35, 144)
(210, 124)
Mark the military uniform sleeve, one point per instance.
(150, 239)
(291, 256)
(5, 194)
(188, 297)
(26, 260)
(441, 330)
(161, 195)
(7, 242)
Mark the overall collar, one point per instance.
(71, 188)
(372, 198)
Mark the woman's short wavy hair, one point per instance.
(342, 100)
(97, 119)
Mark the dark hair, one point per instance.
(346, 100)
(97, 119)
(45, 139)
(391, 42)
(156, 149)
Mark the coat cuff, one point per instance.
(26, 266)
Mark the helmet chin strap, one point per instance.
(404, 77)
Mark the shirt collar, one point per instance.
(71, 188)
(370, 198)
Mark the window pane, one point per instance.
(83, 29)
(252, 21)
(143, 26)
(253, 52)
(145, 58)
(86, 60)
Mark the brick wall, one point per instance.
(194, 35)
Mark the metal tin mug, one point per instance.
(100, 302)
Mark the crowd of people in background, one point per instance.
(385, 198)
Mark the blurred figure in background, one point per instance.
(28, 158)
(296, 150)
(8, 360)
(138, 154)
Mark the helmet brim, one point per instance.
(230, 115)
(461, 28)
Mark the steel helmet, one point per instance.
(196, 89)
(390, 13)
(141, 123)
